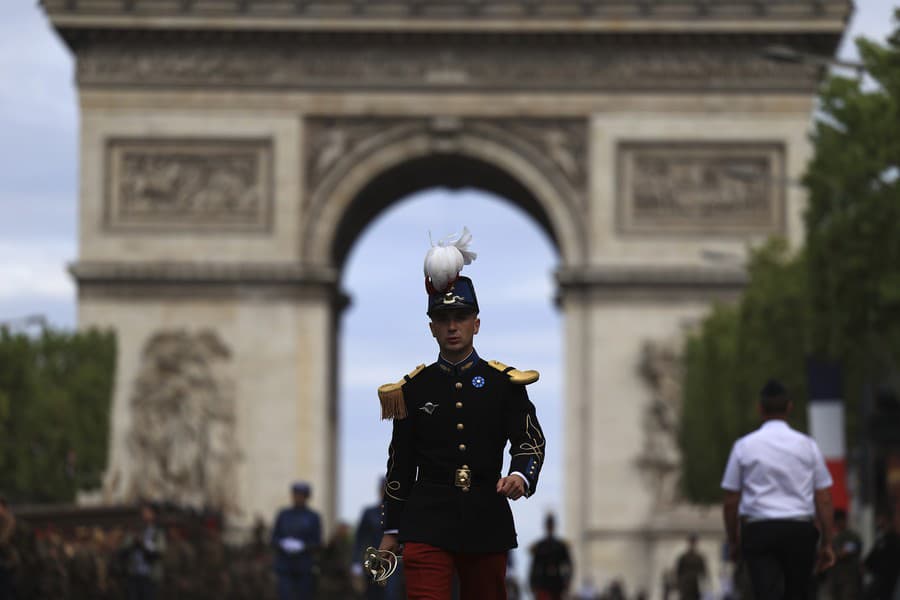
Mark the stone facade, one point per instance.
(231, 152)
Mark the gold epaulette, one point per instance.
(391, 396)
(515, 375)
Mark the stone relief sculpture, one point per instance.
(558, 145)
(456, 65)
(188, 183)
(698, 187)
(182, 442)
(660, 459)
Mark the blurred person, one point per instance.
(690, 571)
(84, 572)
(776, 485)
(180, 566)
(296, 536)
(445, 497)
(883, 560)
(551, 565)
(8, 553)
(336, 558)
(844, 581)
(54, 577)
(215, 574)
(615, 591)
(143, 551)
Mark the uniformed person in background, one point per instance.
(551, 565)
(690, 571)
(296, 536)
(452, 421)
(845, 577)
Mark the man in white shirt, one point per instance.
(776, 488)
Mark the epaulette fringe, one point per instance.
(515, 375)
(391, 395)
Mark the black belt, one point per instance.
(454, 478)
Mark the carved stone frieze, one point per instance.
(176, 184)
(557, 147)
(696, 187)
(182, 441)
(413, 10)
(373, 63)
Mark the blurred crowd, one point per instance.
(98, 563)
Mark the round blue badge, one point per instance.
(478, 381)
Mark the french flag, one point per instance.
(826, 423)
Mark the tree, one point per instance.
(853, 221)
(55, 392)
(736, 349)
(837, 299)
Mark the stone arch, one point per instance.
(375, 166)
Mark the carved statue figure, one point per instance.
(660, 367)
(182, 442)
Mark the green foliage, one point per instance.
(853, 221)
(710, 417)
(55, 392)
(839, 299)
(736, 349)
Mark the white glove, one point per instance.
(292, 545)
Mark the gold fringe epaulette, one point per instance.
(515, 375)
(391, 396)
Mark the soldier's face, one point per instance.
(454, 331)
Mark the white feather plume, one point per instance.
(445, 260)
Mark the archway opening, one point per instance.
(449, 171)
(384, 332)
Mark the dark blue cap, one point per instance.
(460, 296)
(301, 487)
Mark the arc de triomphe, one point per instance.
(232, 151)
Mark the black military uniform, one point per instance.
(451, 425)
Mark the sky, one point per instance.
(379, 342)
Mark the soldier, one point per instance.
(145, 550)
(690, 571)
(452, 421)
(296, 535)
(551, 567)
(845, 577)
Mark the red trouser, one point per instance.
(545, 595)
(429, 573)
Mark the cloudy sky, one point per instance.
(380, 340)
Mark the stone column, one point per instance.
(615, 504)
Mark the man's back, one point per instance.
(777, 469)
(551, 566)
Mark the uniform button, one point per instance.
(460, 426)
(458, 385)
(462, 447)
(459, 405)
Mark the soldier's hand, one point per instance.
(826, 558)
(513, 487)
(390, 541)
